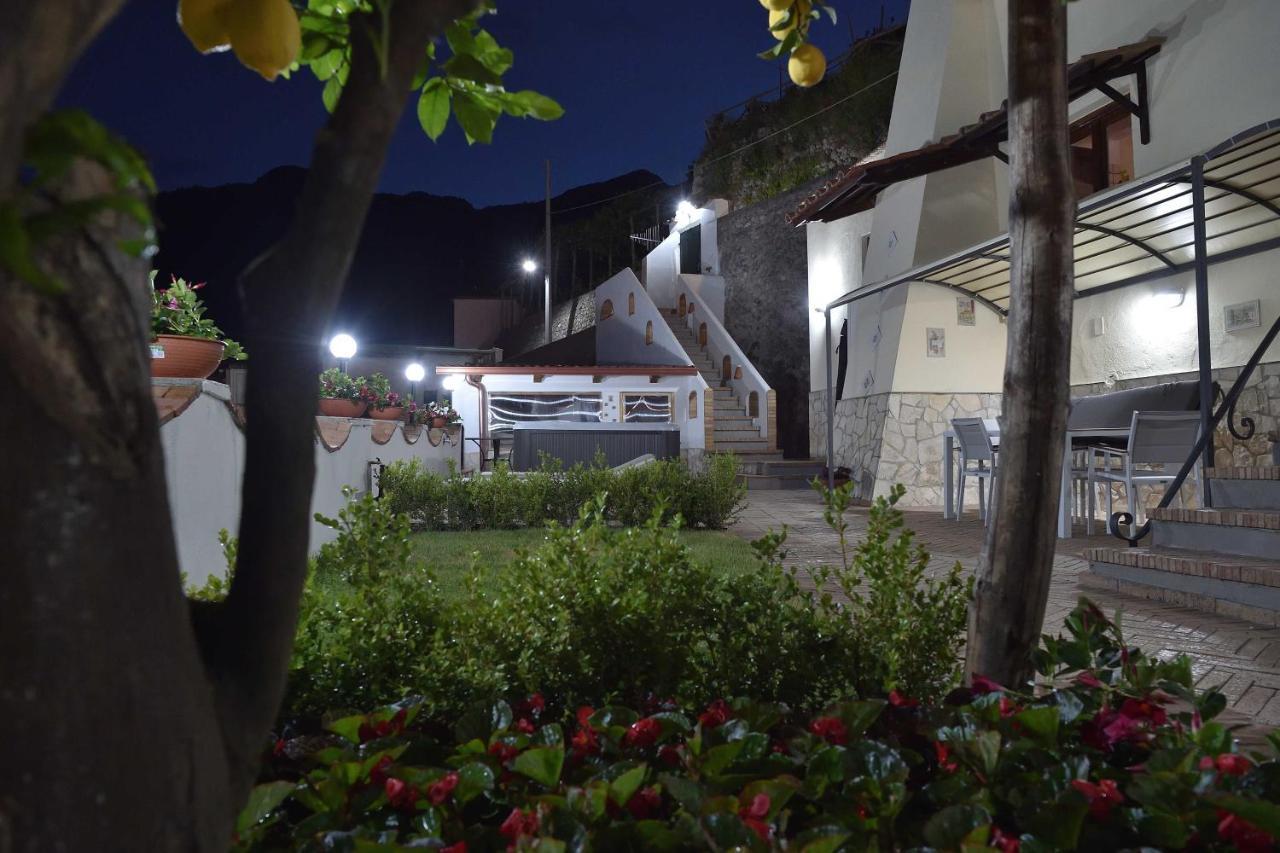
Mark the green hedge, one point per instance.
(711, 498)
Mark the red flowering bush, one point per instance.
(1127, 758)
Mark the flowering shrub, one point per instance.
(336, 385)
(709, 498)
(178, 310)
(989, 767)
(376, 390)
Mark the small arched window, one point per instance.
(606, 310)
(692, 305)
(631, 304)
(737, 372)
(648, 332)
(726, 368)
(683, 305)
(753, 405)
(693, 405)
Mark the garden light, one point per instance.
(414, 374)
(342, 346)
(452, 382)
(529, 266)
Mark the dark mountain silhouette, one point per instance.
(417, 252)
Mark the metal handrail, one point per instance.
(1227, 408)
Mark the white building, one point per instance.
(1154, 84)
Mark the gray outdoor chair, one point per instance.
(1159, 442)
(977, 459)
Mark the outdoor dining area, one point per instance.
(1129, 439)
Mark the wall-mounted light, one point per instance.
(1168, 295)
(342, 347)
(685, 213)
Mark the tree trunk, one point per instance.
(1017, 558)
(133, 722)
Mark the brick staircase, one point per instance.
(762, 466)
(1223, 560)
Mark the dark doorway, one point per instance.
(691, 251)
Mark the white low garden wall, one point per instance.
(204, 459)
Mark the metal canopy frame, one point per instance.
(1221, 205)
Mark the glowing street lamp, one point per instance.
(529, 266)
(414, 374)
(342, 346)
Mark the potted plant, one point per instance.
(385, 404)
(185, 343)
(340, 394)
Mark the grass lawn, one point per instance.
(451, 554)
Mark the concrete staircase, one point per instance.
(1223, 560)
(762, 465)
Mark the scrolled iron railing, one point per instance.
(1225, 410)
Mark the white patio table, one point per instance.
(1084, 435)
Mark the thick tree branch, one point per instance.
(290, 294)
(1017, 558)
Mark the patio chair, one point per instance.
(977, 459)
(1159, 441)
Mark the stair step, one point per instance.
(1237, 532)
(775, 482)
(1254, 487)
(745, 433)
(740, 444)
(806, 468)
(1241, 587)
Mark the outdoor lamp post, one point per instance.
(529, 266)
(342, 346)
(414, 374)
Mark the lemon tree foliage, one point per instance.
(463, 77)
(789, 22)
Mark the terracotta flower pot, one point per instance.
(342, 408)
(390, 413)
(439, 423)
(181, 357)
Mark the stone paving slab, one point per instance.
(1242, 657)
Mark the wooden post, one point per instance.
(1017, 558)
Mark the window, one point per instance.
(1102, 150)
(652, 408)
(753, 404)
(631, 304)
(507, 408)
(606, 310)
(648, 332)
(726, 368)
(693, 405)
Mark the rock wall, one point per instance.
(568, 317)
(764, 263)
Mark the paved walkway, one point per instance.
(1242, 657)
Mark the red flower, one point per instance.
(643, 733)
(943, 755)
(1088, 679)
(371, 728)
(717, 714)
(1228, 764)
(524, 726)
(518, 824)
(503, 752)
(531, 707)
(1246, 837)
(754, 814)
(1141, 709)
(441, 789)
(1102, 797)
(1005, 843)
(584, 715)
(460, 847)
(585, 743)
(669, 755)
(278, 749)
(644, 803)
(400, 795)
(983, 685)
(378, 772)
(830, 729)
(897, 700)
(1008, 707)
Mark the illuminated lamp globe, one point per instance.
(529, 266)
(342, 346)
(452, 382)
(414, 372)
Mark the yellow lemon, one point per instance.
(806, 65)
(776, 5)
(265, 34)
(204, 22)
(799, 19)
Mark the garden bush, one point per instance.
(710, 498)
(1122, 753)
(602, 613)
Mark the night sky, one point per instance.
(637, 81)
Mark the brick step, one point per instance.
(1234, 532)
(1241, 587)
(738, 445)
(1256, 487)
(743, 433)
(775, 482)
(807, 468)
(736, 416)
(751, 455)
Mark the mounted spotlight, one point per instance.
(685, 213)
(1168, 295)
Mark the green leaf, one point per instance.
(474, 779)
(433, 108)
(331, 93)
(1264, 815)
(537, 105)
(464, 66)
(263, 800)
(476, 117)
(1163, 831)
(459, 37)
(542, 765)
(347, 728)
(949, 827)
(1214, 738)
(720, 757)
(1059, 823)
(685, 791)
(1041, 723)
(622, 789)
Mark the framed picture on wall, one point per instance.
(935, 343)
(965, 313)
(1242, 315)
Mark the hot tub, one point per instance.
(574, 441)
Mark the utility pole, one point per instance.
(546, 265)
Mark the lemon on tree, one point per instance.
(776, 5)
(807, 65)
(265, 34)
(204, 22)
(799, 20)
